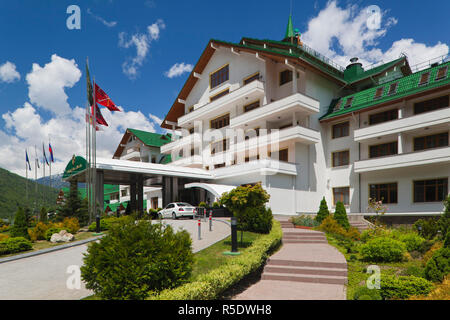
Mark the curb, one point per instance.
(48, 250)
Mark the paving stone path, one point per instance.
(305, 268)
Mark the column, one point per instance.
(132, 203)
(100, 193)
(400, 143)
(140, 194)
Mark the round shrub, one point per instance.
(383, 250)
(71, 225)
(413, 241)
(438, 266)
(402, 287)
(39, 231)
(17, 244)
(368, 294)
(135, 260)
(330, 225)
(255, 220)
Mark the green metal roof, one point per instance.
(407, 85)
(289, 29)
(371, 72)
(150, 138)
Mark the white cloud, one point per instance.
(178, 69)
(109, 24)
(8, 72)
(142, 43)
(46, 84)
(343, 33)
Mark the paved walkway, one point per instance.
(305, 268)
(44, 276)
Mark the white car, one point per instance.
(177, 209)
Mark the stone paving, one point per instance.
(44, 276)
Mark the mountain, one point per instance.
(56, 181)
(13, 193)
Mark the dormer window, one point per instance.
(349, 102)
(378, 93)
(441, 74)
(338, 105)
(393, 88)
(424, 78)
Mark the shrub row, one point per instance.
(105, 223)
(14, 245)
(402, 287)
(213, 284)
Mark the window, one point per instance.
(441, 73)
(341, 194)
(385, 149)
(218, 77)
(434, 190)
(283, 155)
(220, 165)
(386, 192)
(219, 95)
(424, 78)
(378, 93)
(340, 158)
(341, 130)
(153, 159)
(251, 106)
(432, 104)
(285, 126)
(285, 77)
(220, 122)
(154, 201)
(429, 142)
(219, 146)
(383, 116)
(349, 102)
(124, 193)
(393, 88)
(338, 105)
(251, 78)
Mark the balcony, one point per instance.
(428, 119)
(195, 138)
(263, 167)
(133, 154)
(402, 160)
(251, 91)
(294, 103)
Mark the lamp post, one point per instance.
(234, 234)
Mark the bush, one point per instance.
(211, 285)
(71, 225)
(447, 240)
(202, 204)
(304, 221)
(216, 204)
(323, 211)
(415, 271)
(383, 250)
(3, 237)
(257, 220)
(427, 256)
(51, 231)
(364, 293)
(39, 231)
(427, 228)
(135, 260)
(369, 234)
(330, 225)
(340, 215)
(105, 223)
(444, 220)
(402, 287)
(441, 292)
(20, 226)
(438, 266)
(15, 245)
(413, 241)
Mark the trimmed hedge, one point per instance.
(402, 287)
(212, 284)
(15, 245)
(383, 250)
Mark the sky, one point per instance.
(142, 51)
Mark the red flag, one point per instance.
(102, 98)
(98, 115)
(89, 119)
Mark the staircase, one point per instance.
(307, 259)
(358, 221)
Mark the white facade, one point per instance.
(297, 183)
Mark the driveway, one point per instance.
(45, 276)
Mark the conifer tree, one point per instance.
(340, 215)
(20, 226)
(323, 211)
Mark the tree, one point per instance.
(20, 226)
(444, 221)
(323, 211)
(340, 215)
(43, 217)
(248, 205)
(72, 205)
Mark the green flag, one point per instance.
(90, 91)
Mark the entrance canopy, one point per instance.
(121, 171)
(215, 189)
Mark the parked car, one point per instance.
(176, 210)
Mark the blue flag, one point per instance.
(45, 157)
(27, 160)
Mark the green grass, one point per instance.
(357, 274)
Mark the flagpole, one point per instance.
(95, 152)
(35, 177)
(50, 164)
(26, 175)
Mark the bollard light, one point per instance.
(234, 234)
(210, 220)
(199, 230)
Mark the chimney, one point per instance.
(353, 69)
